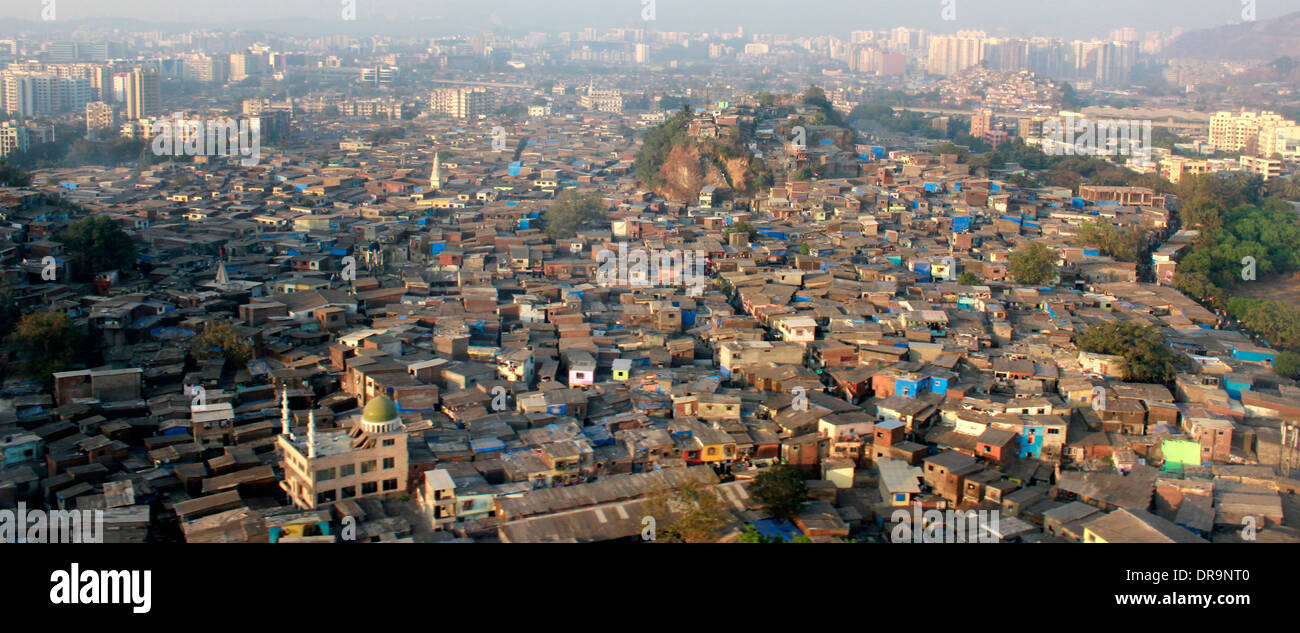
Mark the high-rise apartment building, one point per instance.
(14, 136)
(143, 94)
(245, 65)
(37, 95)
(99, 116)
(980, 123)
(462, 103)
(207, 69)
(1115, 62)
(950, 54)
(19, 95)
(1252, 133)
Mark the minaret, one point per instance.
(223, 277)
(311, 434)
(284, 412)
(435, 178)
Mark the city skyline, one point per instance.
(1071, 19)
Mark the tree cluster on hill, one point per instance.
(816, 97)
(880, 118)
(658, 143)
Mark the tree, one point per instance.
(220, 338)
(1147, 358)
(11, 176)
(98, 244)
(46, 343)
(1124, 245)
(969, 279)
(1070, 99)
(766, 99)
(1033, 264)
(570, 212)
(814, 95)
(1287, 364)
(780, 491)
(691, 512)
(1271, 319)
(743, 227)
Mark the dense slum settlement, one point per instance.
(429, 365)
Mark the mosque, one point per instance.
(368, 459)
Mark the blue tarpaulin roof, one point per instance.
(777, 528)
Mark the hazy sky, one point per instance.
(1067, 18)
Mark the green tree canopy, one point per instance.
(11, 176)
(1124, 245)
(97, 244)
(1147, 358)
(1287, 364)
(780, 490)
(46, 343)
(1034, 264)
(1273, 320)
(571, 211)
(743, 227)
(219, 338)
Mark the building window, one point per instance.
(349, 491)
(325, 475)
(389, 442)
(347, 470)
(368, 466)
(390, 484)
(389, 462)
(369, 488)
(327, 496)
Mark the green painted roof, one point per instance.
(380, 409)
